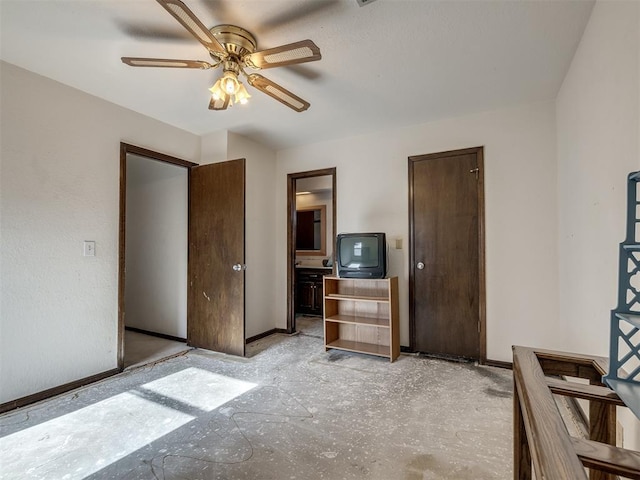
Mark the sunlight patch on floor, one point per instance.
(78, 444)
(199, 388)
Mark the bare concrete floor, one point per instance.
(288, 411)
(311, 326)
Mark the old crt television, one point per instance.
(361, 255)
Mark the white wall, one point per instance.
(597, 117)
(521, 201)
(60, 183)
(214, 147)
(156, 246)
(260, 235)
(598, 122)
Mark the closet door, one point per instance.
(446, 275)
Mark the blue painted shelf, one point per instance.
(624, 344)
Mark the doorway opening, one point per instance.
(152, 290)
(446, 260)
(311, 231)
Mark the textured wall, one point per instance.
(598, 118)
(59, 187)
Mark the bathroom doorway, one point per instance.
(311, 231)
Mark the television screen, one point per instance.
(359, 252)
(361, 255)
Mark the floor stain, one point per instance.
(336, 356)
(493, 392)
(497, 377)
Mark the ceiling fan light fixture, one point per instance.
(230, 83)
(217, 91)
(242, 96)
(220, 92)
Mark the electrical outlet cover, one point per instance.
(89, 248)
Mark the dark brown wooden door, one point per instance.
(445, 272)
(216, 244)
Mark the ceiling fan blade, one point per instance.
(220, 104)
(166, 62)
(298, 52)
(189, 21)
(279, 93)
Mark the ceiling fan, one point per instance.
(234, 49)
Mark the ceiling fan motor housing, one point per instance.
(231, 65)
(237, 41)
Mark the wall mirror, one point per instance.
(313, 217)
(311, 230)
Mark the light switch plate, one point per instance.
(399, 243)
(89, 248)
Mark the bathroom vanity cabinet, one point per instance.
(309, 291)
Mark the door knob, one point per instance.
(238, 267)
(419, 265)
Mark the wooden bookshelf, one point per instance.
(361, 315)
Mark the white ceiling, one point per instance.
(389, 63)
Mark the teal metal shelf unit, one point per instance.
(624, 347)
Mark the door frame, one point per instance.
(291, 236)
(126, 148)
(482, 293)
